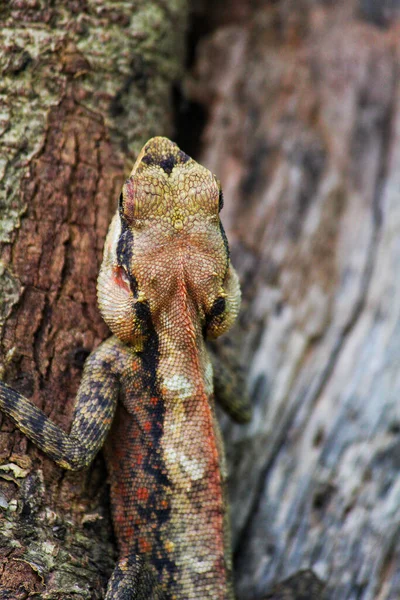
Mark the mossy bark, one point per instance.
(83, 85)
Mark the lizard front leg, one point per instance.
(229, 382)
(94, 411)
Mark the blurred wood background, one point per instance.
(295, 105)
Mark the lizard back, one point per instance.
(167, 488)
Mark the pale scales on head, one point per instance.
(167, 185)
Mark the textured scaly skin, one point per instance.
(165, 285)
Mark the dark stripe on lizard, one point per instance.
(125, 249)
(157, 509)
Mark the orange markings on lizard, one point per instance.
(144, 545)
(142, 493)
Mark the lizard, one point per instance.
(165, 286)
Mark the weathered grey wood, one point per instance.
(304, 132)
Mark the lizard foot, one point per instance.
(132, 579)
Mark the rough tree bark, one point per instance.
(83, 85)
(302, 107)
(302, 103)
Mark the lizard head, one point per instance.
(166, 250)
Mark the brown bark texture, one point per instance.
(301, 102)
(83, 85)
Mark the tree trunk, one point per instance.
(302, 107)
(83, 85)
